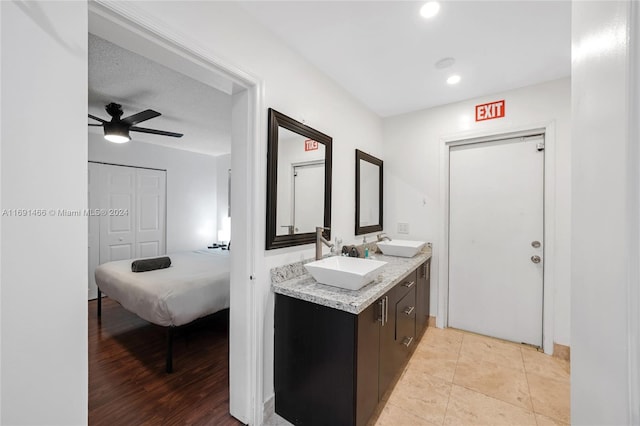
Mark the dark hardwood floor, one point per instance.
(128, 384)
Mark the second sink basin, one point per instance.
(401, 248)
(350, 273)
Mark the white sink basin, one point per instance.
(401, 248)
(350, 273)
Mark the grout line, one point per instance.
(446, 410)
(526, 376)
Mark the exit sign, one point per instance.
(490, 111)
(310, 145)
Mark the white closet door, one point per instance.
(94, 227)
(117, 194)
(150, 207)
(131, 222)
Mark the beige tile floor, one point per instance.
(460, 378)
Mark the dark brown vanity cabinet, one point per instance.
(332, 367)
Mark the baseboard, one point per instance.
(562, 351)
(432, 321)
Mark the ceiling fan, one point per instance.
(117, 130)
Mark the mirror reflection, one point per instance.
(368, 193)
(298, 182)
(300, 206)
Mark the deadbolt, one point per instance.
(535, 244)
(535, 259)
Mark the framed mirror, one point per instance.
(368, 193)
(298, 182)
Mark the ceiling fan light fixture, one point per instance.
(117, 138)
(116, 132)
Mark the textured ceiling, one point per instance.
(187, 106)
(383, 52)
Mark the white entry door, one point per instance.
(496, 211)
(308, 197)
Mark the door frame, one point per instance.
(293, 183)
(124, 24)
(442, 289)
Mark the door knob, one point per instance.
(535, 259)
(535, 244)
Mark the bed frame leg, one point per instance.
(169, 364)
(99, 303)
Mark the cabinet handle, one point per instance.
(386, 309)
(407, 341)
(409, 310)
(408, 284)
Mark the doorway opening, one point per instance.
(122, 28)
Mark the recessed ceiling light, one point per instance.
(454, 79)
(444, 63)
(430, 9)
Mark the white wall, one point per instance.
(191, 187)
(295, 88)
(605, 187)
(223, 165)
(412, 171)
(43, 269)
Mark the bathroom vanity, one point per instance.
(337, 352)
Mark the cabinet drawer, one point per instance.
(406, 285)
(406, 319)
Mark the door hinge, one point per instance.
(540, 146)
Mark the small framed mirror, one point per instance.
(298, 182)
(369, 172)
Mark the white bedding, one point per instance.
(195, 285)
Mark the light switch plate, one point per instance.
(403, 228)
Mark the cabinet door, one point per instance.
(387, 341)
(314, 363)
(423, 292)
(367, 362)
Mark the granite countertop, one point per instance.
(305, 287)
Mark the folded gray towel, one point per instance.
(144, 265)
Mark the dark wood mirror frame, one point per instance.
(276, 120)
(363, 156)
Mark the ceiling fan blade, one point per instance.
(97, 125)
(97, 118)
(140, 117)
(155, 132)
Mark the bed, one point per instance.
(195, 286)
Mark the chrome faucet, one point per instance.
(382, 236)
(321, 240)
